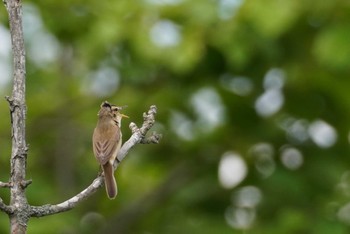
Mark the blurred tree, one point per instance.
(253, 102)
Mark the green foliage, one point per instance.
(261, 83)
(331, 48)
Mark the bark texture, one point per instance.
(19, 215)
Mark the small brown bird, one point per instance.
(107, 140)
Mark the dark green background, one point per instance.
(75, 46)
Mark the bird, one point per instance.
(106, 141)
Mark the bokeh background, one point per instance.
(253, 103)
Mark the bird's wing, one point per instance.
(105, 145)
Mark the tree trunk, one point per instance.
(19, 217)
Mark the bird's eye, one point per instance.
(115, 108)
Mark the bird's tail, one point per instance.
(110, 183)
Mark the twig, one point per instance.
(139, 134)
(5, 185)
(3, 207)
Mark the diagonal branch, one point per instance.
(138, 135)
(48, 209)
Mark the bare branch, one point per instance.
(153, 139)
(25, 183)
(5, 208)
(5, 185)
(137, 136)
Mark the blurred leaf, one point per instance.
(331, 48)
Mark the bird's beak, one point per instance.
(124, 116)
